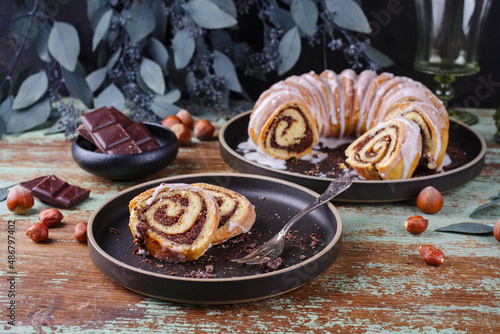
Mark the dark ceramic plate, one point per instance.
(234, 132)
(111, 245)
(127, 166)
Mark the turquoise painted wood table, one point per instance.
(378, 283)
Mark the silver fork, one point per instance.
(273, 248)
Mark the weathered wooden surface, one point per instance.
(378, 283)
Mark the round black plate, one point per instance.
(235, 131)
(111, 245)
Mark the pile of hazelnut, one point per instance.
(430, 201)
(20, 201)
(182, 123)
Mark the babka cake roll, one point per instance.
(237, 214)
(389, 151)
(435, 134)
(371, 94)
(174, 222)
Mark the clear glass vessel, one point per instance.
(448, 40)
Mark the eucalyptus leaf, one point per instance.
(159, 52)
(102, 28)
(78, 85)
(95, 79)
(158, 9)
(281, 17)
(4, 192)
(224, 101)
(183, 45)
(92, 7)
(3, 127)
(224, 67)
(94, 20)
(31, 90)
(220, 39)
(23, 75)
(348, 14)
(140, 82)
(227, 6)
(467, 228)
(41, 42)
(6, 109)
(140, 22)
(64, 45)
(5, 91)
(163, 110)
(208, 15)
(152, 75)
(114, 58)
(305, 14)
(485, 206)
(170, 97)
(111, 96)
(377, 56)
(163, 106)
(27, 119)
(289, 50)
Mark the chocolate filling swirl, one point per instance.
(161, 217)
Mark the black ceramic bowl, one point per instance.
(127, 166)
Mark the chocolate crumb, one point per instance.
(275, 264)
(113, 230)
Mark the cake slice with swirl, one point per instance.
(389, 151)
(174, 222)
(237, 214)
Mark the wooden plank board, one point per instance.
(378, 283)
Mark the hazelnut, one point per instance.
(430, 200)
(169, 121)
(203, 129)
(19, 200)
(416, 224)
(185, 118)
(50, 217)
(496, 230)
(81, 232)
(182, 133)
(38, 232)
(431, 255)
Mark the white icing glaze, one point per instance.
(233, 225)
(167, 186)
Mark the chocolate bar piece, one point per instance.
(114, 133)
(52, 190)
(30, 184)
(141, 135)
